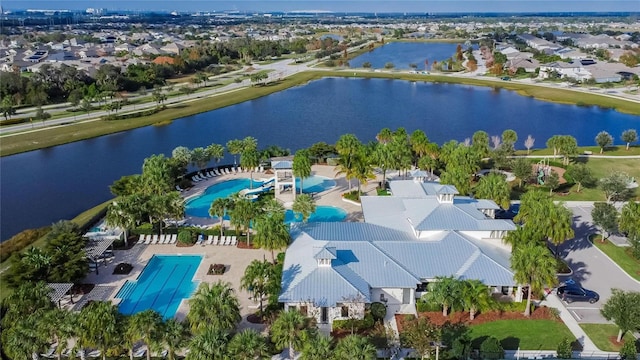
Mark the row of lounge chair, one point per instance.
(216, 240)
(158, 239)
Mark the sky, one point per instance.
(464, 6)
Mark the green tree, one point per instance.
(272, 232)
(603, 139)
(491, 349)
(26, 299)
(317, 347)
(457, 177)
(558, 228)
(287, 331)
(446, 292)
(235, 147)
(564, 350)
(304, 206)
(241, 214)
(552, 181)
(628, 350)
(522, 170)
(214, 305)
(614, 186)
(355, 347)
(419, 334)
(209, 343)
(147, 326)
(605, 217)
(7, 107)
(419, 143)
(554, 143)
(248, 345)
(629, 136)
(475, 297)
(174, 337)
(250, 159)
(219, 208)
(256, 279)
(99, 324)
(24, 338)
(60, 325)
(581, 175)
(401, 150)
(623, 308)
(533, 266)
(182, 155)
(630, 223)
(509, 137)
(118, 215)
(215, 152)
(494, 187)
(362, 168)
(347, 147)
(480, 143)
(302, 166)
(159, 97)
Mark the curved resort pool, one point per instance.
(199, 205)
(322, 214)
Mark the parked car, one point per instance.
(509, 214)
(571, 293)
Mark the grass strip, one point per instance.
(522, 334)
(604, 336)
(619, 255)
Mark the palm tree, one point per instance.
(214, 304)
(24, 338)
(355, 347)
(475, 296)
(28, 298)
(401, 150)
(534, 266)
(200, 157)
(444, 291)
(209, 343)
(558, 228)
(119, 214)
(419, 143)
(317, 347)
(347, 146)
(495, 187)
(272, 232)
(384, 136)
(215, 151)
(304, 205)
(60, 325)
(99, 323)
(249, 159)
(302, 166)
(380, 157)
(287, 330)
(248, 345)
(147, 325)
(174, 336)
(362, 168)
(242, 212)
(257, 277)
(219, 208)
(235, 147)
(523, 235)
(346, 167)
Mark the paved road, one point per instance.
(592, 269)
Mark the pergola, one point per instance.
(96, 247)
(59, 290)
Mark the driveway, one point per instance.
(591, 268)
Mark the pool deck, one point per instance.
(234, 258)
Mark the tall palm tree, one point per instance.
(363, 171)
(215, 151)
(287, 331)
(381, 157)
(272, 232)
(534, 266)
(494, 187)
(60, 325)
(304, 205)
(219, 208)
(24, 338)
(99, 323)
(346, 167)
(384, 136)
(317, 347)
(249, 143)
(28, 298)
(250, 159)
(200, 157)
(444, 291)
(248, 345)
(257, 277)
(302, 166)
(522, 236)
(419, 143)
(216, 305)
(235, 147)
(355, 347)
(209, 343)
(401, 150)
(147, 325)
(475, 296)
(118, 214)
(558, 228)
(174, 336)
(242, 212)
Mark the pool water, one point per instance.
(199, 205)
(162, 285)
(322, 214)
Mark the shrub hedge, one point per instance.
(20, 241)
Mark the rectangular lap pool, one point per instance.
(164, 282)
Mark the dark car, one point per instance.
(508, 214)
(571, 293)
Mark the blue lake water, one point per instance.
(401, 54)
(40, 187)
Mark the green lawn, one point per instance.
(601, 334)
(619, 255)
(523, 334)
(618, 150)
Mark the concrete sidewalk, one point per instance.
(552, 300)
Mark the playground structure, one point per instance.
(542, 170)
(252, 194)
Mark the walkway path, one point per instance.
(552, 301)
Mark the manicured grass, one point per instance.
(618, 150)
(601, 334)
(619, 255)
(523, 334)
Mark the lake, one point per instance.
(401, 54)
(43, 186)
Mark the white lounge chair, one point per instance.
(195, 178)
(234, 241)
(141, 239)
(212, 174)
(215, 240)
(140, 353)
(227, 241)
(209, 240)
(147, 240)
(161, 240)
(215, 171)
(154, 240)
(179, 188)
(206, 174)
(174, 238)
(261, 169)
(200, 240)
(167, 237)
(226, 171)
(94, 354)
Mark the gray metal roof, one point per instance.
(325, 253)
(323, 287)
(282, 165)
(488, 271)
(419, 173)
(344, 231)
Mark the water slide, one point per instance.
(253, 193)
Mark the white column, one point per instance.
(519, 294)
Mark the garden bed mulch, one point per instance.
(436, 318)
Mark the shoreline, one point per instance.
(13, 144)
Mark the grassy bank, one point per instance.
(619, 255)
(618, 150)
(522, 334)
(604, 336)
(80, 131)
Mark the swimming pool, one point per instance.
(199, 205)
(164, 282)
(322, 214)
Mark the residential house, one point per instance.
(574, 70)
(528, 64)
(172, 48)
(539, 44)
(423, 231)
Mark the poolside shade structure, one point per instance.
(96, 248)
(285, 182)
(58, 291)
(422, 176)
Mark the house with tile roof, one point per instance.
(422, 231)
